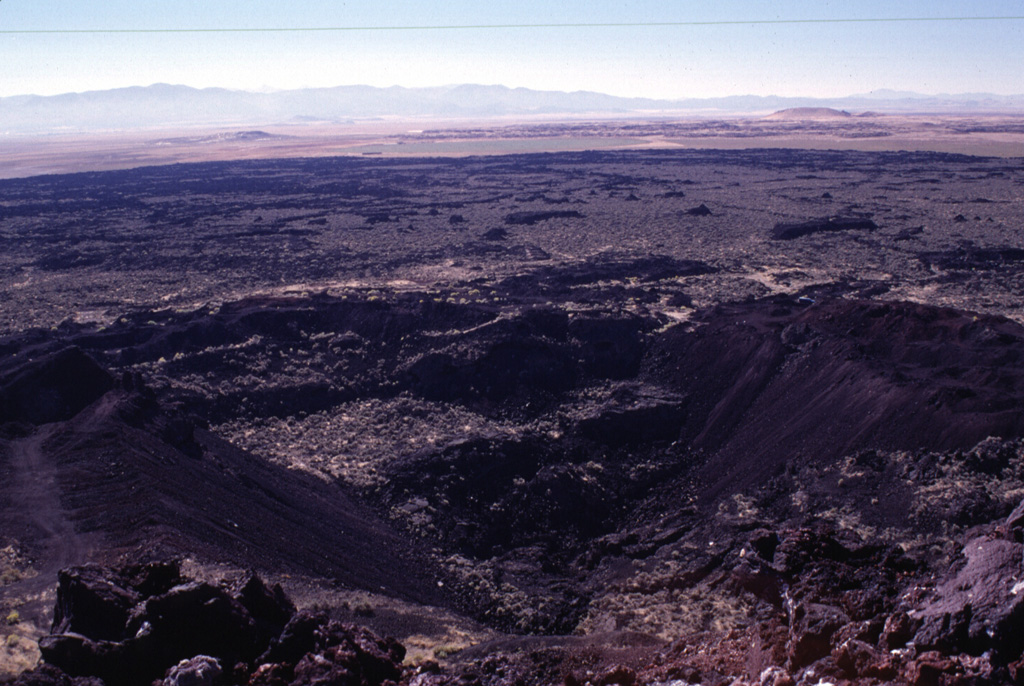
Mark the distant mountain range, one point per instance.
(163, 105)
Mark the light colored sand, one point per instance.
(999, 136)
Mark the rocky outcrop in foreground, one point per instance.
(149, 624)
(847, 615)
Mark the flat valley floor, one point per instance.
(995, 135)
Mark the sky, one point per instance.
(60, 46)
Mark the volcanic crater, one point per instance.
(626, 443)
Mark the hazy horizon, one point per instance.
(887, 92)
(647, 48)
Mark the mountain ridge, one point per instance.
(164, 104)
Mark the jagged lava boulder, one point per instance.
(129, 626)
(148, 624)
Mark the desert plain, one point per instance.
(984, 134)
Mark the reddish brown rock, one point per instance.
(929, 669)
(811, 628)
(1016, 670)
(860, 659)
(899, 629)
(619, 675)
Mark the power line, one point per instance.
(474, 27)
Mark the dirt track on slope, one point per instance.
(39, 522)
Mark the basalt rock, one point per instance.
(48, 675)
(979, 606)
(198, 634)
(860, 659)
(202, 670)
(314, 650)
(785, 232)
(530, 218)
(92, 602)
(811, 628)
(126, 627)
(699, 211)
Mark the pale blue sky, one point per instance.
(799, 59)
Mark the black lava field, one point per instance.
(638, 417)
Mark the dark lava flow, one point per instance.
(616, 417)
(630, 483)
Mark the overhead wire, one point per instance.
(464, 27)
